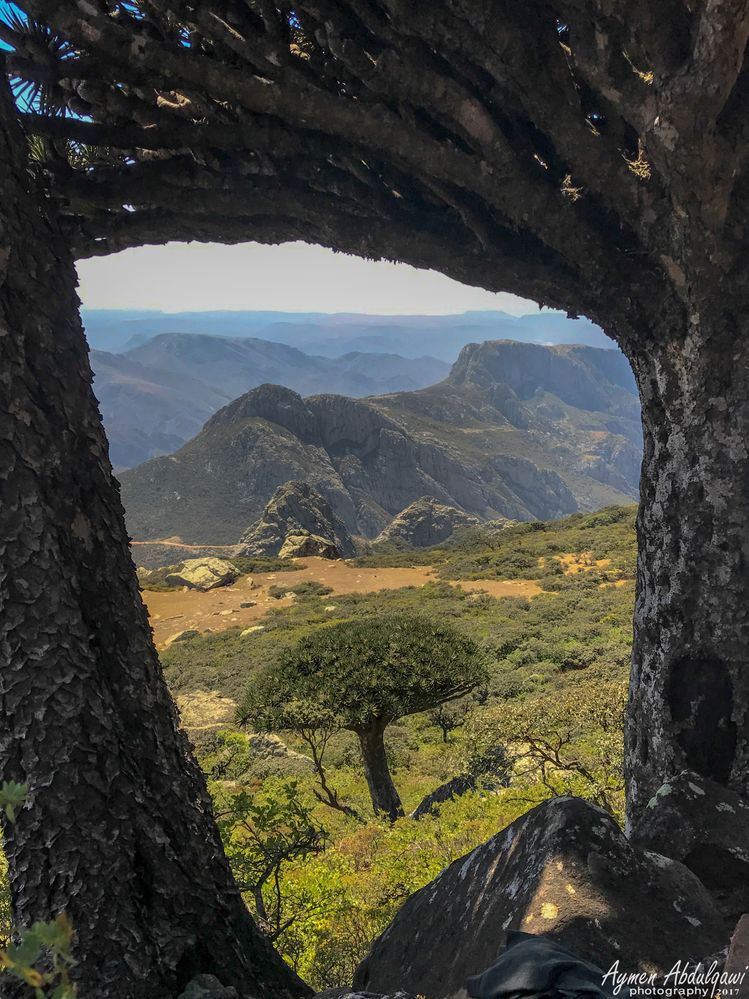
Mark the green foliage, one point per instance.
(362, 671)
(5, 905)
(308, 588)
(12, 797)
(528, 550)
(263, 833)
(42, 959)
(569, 740)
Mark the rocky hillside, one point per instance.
(158, 395)
(517, 430)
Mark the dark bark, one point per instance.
(118, 829)
(690, 682)
(590, 154)
(385, 798)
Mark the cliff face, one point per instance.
(481, 441)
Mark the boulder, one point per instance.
(252, 630)
(271, 757)
(706, 827)
(564, 870)
(307, 546)
(208, 987)
(297, 510)
(181, 636)
(451, 789)
(426, 522)
(202, 573)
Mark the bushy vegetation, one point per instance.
(307, 588)
(550, 710)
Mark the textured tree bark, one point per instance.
(385, 798)
(690, 683)
(117, 830)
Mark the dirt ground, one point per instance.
(222, 608)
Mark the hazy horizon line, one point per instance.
(318, 312)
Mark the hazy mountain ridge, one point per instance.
(331, 335)
(158, 395)
(484, 440)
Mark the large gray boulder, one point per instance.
(426, 522)
(564, 870)
(706, 827)
(296, 510)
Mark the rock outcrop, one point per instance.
(202, 573)
(308, 545)
(564, 870)
(426, 522)
(298, 521)
(706, 827)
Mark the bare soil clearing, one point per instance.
(218, 609)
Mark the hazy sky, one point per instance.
(294, 277)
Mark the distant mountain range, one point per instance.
(516, 430)
(156, 396)
(333, 335)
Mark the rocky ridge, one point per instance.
(481, 442)
(157, 395)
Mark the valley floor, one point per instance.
(249, 600)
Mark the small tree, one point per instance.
(363, 675)
(263, 834)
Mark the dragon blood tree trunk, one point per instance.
(382, 791)
(117, 830)
(690, 681)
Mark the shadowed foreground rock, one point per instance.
(348, 994)
(706, 827)
(565, 870)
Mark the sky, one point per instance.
(293, 277)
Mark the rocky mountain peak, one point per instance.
(580, 376)
(273, 403)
